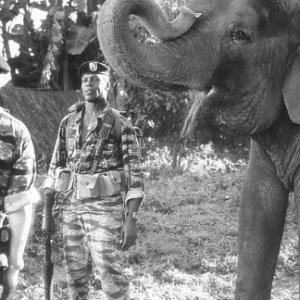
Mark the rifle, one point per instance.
(49, 266)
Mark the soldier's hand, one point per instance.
(129, 233)
(48, 193)
(10, 282)
(48, 224)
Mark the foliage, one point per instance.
(45, 50)
(79, 38)
(9, 9)
(32, 43)
(159, 114)
(200, 160)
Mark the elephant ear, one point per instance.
(291, 91)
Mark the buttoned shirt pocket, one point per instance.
(88, 186)
(110, 183)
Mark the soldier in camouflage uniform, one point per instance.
(17, 194)
(96, 221)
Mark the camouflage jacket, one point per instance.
(17, 157)
(77, 154)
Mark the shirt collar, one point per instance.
(104, 111)
(79, 115)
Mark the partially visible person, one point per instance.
(96, 156)
(17, 193)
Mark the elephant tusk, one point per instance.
(196, 15)
(213, 90)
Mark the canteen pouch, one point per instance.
(64, 180)
(88, 186)
(111, 183)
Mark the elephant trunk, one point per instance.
(186, 58)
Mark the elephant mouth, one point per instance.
(214, 111)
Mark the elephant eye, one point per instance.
(241, 35)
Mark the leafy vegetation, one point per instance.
(53, 38)
(187, 246)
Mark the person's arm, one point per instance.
(19, 202)
(59, 160)
(20, 224)
(59, 156)
(132, 166)
(135, 187)
(21, 193)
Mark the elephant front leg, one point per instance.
(261, 222)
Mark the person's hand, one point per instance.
(48, 224)
(10, 282)
(129, 233)
(48, 193)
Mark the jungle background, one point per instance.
(187, 244)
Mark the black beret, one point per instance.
(92, 67)
(4, 67)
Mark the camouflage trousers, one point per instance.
(95, 236)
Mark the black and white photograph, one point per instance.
(149, 149)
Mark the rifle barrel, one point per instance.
(49, 268)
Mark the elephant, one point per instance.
(243, 58)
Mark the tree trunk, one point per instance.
(175, 151)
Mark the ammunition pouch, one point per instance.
(64, 180)
(99, 184)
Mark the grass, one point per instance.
(187, 245)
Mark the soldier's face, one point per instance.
(94, 87)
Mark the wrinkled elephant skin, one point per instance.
(242, 58)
